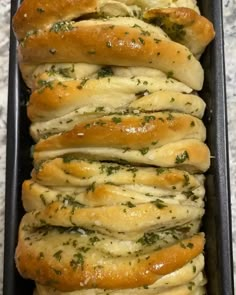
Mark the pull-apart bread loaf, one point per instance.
(54, 33)
(116, 196)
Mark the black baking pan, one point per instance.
(217, 220)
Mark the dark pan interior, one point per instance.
(217, 221)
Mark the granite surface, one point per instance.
(4, 45)
(230, 54)
(230, 57)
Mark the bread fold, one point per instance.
(192, 287)
(37, 197)
(56, 99)
(157, 101)
(70, 171)
(136, 132)
(184, 26)
(113, 44)
(79, 268)
(35, 15)
(189, 154)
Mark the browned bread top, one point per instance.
(113, 43)
(113, 273)
(55, 99)
(33, 15)
(185, 26)
(69, 171)
(128, 132)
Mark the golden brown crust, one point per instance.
(37, 197)
(151, 130)
(56, 98)
(135, 49)
(33, 15)
(185, 26)
(129, 272)
(154, 216)
(72, 172)
(174, 283)
(157, 101)
(189, 154)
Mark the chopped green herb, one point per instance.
(45, 84)
(160, 170)
(182, 158)
(191, 285)
(91, 187)
(105, 72)
(99, 109)
(57, 272)
(82, 83)
(126, 150)
(68, 158)
(116, 120)
(159, 204)
(155, 142)
(88, 125)
(94, 240)
(192, 124)
(147, 119)
(175, 31)
(149, 239)
(63, 26)
(136, 26)
(190, 245)
(28, 34)
(157, 40)
(144, 151)
(170, 117)
(40, 10)
(170, 74)
(57, 255)
(148, 195)
(78, 260)
(129, 204)
(84, 249)
(141, 40)
(100, 123)
(43, 199)
(182, 245)
(186, 180)
(109, 169)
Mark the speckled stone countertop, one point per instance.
(230, 54)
